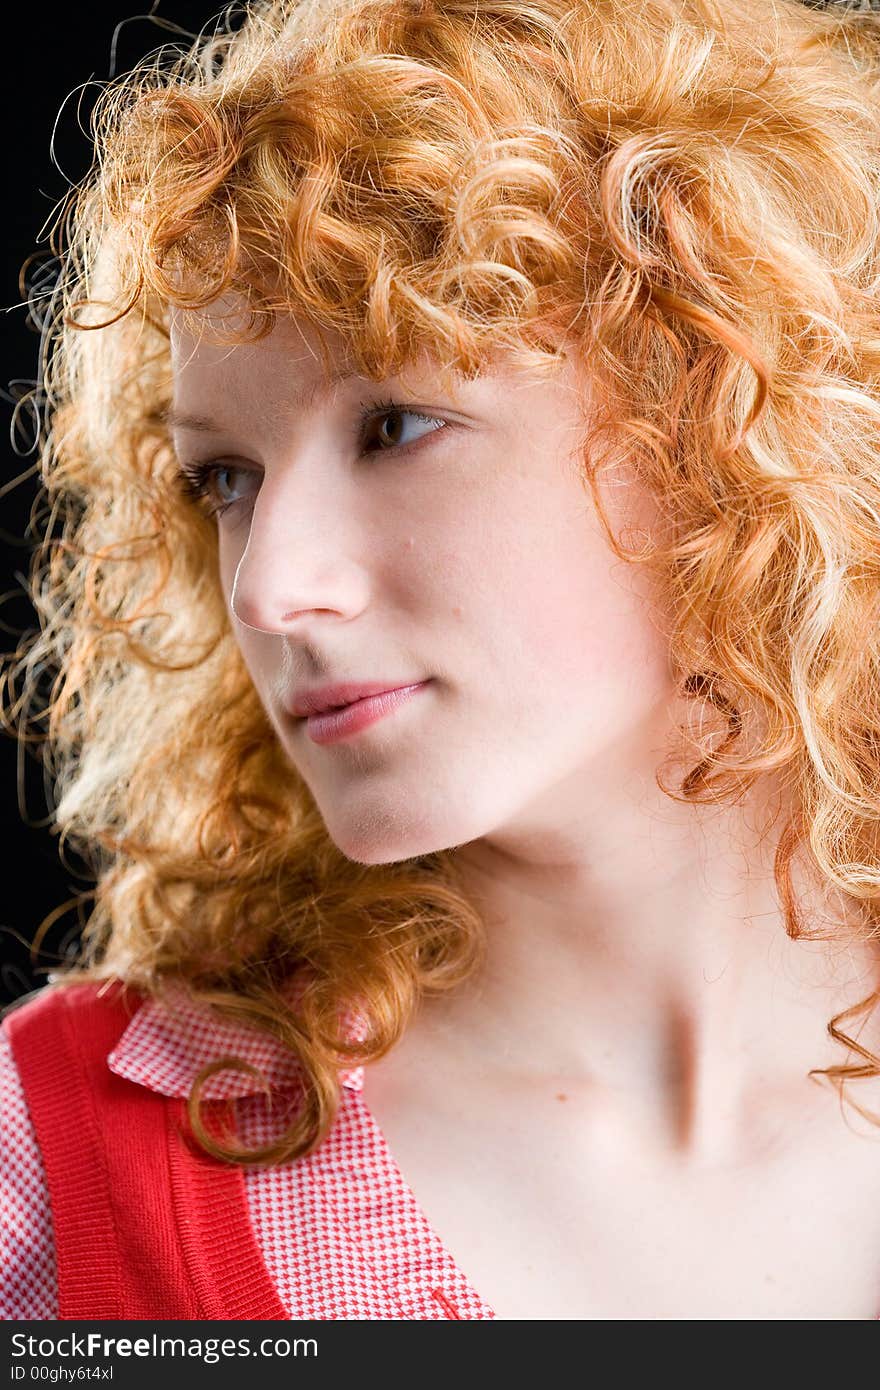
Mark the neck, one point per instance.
(646, 961)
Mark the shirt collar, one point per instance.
(167, 1043)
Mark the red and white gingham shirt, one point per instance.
(340, 1230)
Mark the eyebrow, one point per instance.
(303, 399)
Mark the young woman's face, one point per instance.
(452, 545)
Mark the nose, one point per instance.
(301, 554)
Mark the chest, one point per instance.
(549, 1219)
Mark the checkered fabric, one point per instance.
(341, 1231)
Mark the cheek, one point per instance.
(228, 557)
(572, 618)
(259, 650)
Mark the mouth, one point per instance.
(344, 721)
(339, 694)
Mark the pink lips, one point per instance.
(359, 714)
(321, 698)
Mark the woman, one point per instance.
(504, 378)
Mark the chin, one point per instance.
(380, 850)
(391, 839)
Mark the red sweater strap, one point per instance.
(146, 1224)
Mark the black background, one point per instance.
(54, 54)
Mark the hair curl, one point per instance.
(689, 192)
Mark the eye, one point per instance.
(198, 482)
(382, 425)
(388, 417)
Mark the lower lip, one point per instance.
(336, 724)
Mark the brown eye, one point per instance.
(390, 426)
(386, 427)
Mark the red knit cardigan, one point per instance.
(147, 1225)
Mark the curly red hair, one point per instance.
(688, 192)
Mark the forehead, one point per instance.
(283, 375)
(287, 366)
(213, 340)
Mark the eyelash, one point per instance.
(195, 477)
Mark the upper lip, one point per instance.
(324, 697)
